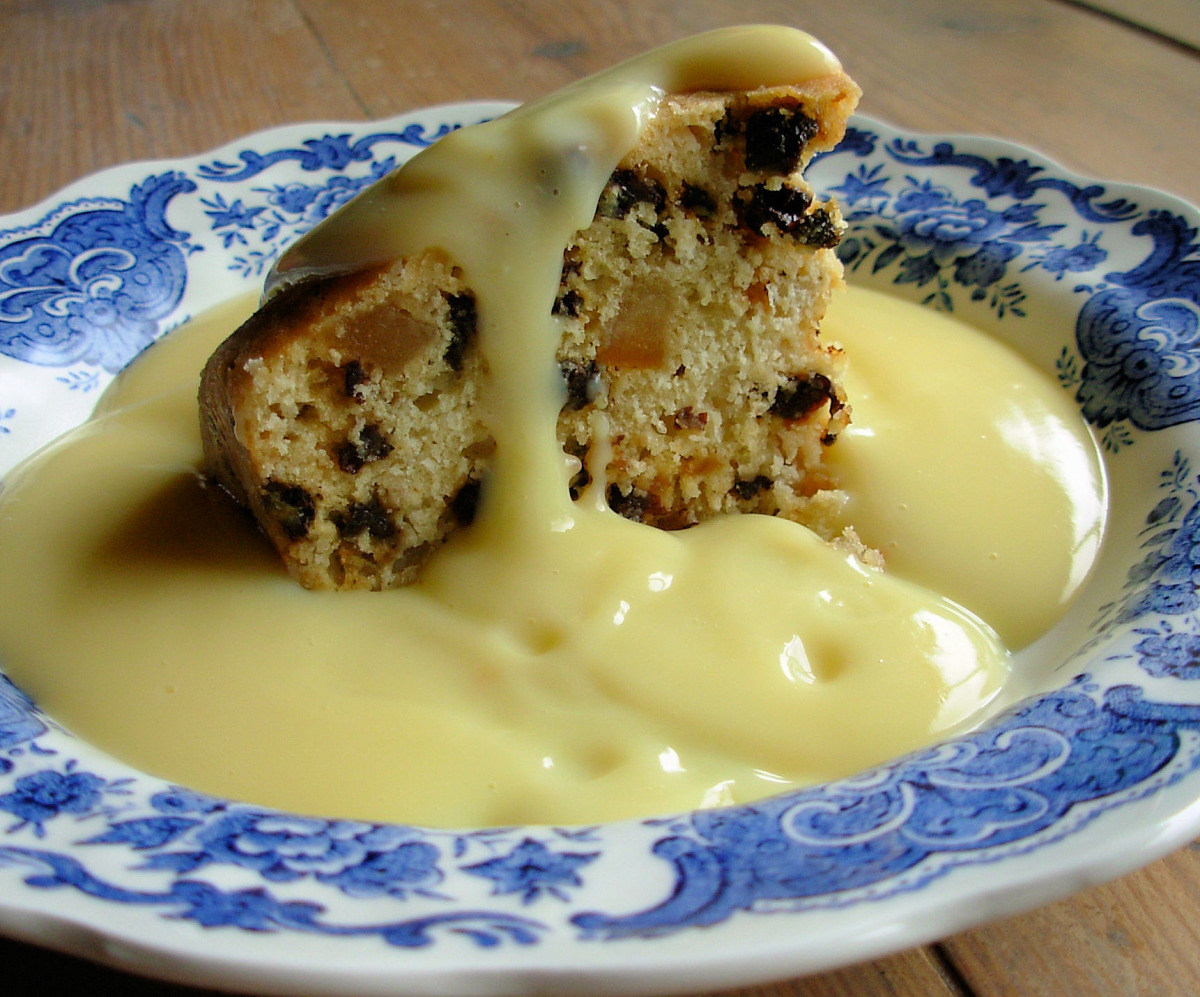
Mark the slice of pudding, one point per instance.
(351, 415)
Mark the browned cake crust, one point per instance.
(342, 414)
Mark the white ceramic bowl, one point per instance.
(1097, 773)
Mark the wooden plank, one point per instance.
(1177, 19)
(916, 973)
(1101, 99)
(46, 973)
(922, 66)
(487, 51)
(88, 85)
(1135, 937)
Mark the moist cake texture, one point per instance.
(345, 413)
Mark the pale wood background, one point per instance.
(1111, 89)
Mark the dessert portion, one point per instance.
(616, 291)
(350, 414)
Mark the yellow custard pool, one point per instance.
(142, 610)
(555, 663)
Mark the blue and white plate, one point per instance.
(1097, 773)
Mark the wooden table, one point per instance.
(1111, 89)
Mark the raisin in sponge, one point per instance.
(342, 413)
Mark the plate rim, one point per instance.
(186, 964)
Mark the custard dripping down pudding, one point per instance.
(597, 312)
(361, 413)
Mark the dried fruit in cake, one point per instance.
(343, 413)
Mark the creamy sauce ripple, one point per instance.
(556, 663)
(633, 672)
(971, 471)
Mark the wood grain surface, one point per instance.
(1109, 89)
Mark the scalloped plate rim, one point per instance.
(193, 962)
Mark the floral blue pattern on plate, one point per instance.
(1094, 772)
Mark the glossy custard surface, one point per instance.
(556, 663)
(718, 664)
(972, 473)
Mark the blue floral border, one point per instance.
(92, 281)
(1050, 765)
(962, 227)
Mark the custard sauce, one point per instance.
(556, 663)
